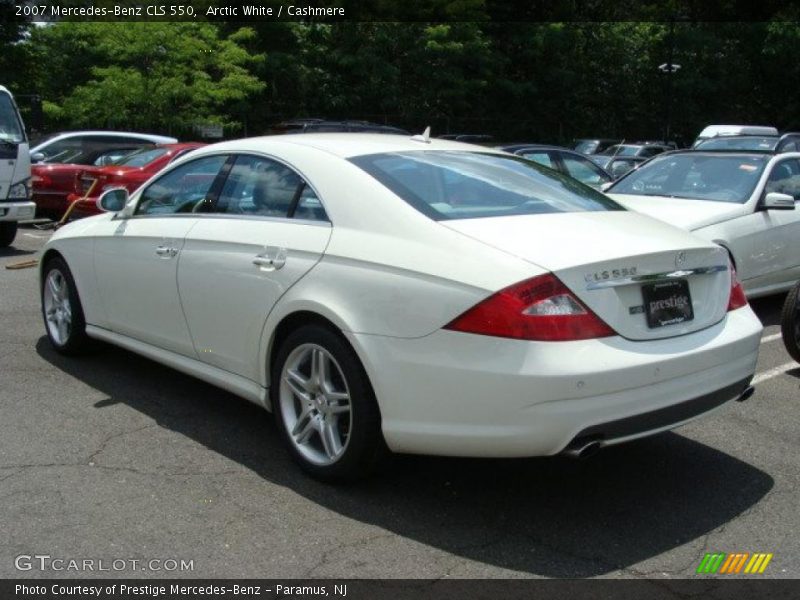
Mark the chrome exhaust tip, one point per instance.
(582, 451)
(745, 395)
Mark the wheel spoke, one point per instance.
(318, 367)
(304, 427)
(298, 384)
(63, 330)
(51, 283)
(330, 439)
(341, 407)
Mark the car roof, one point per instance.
(148, 137)
(726, 130)
(346, 145)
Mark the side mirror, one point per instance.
(113, 200)
(37, 157)
(778, 201)
(606, 185)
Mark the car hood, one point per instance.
(688, 214)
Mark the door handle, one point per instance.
(166, 251)
(271, 259)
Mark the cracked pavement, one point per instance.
(114, 456)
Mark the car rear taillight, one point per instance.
(541, 308)
(737, 298)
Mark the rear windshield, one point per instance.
(10, 125)
(447, 185)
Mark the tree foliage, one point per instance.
(161, 76)
(534, 81)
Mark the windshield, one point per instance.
(142, 157)
(622, 150)
(695, 177)
(739, 143)
(462, 185)
(10, 125)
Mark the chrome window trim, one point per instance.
(229, 153)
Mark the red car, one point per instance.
(53, 182)
(129, 172)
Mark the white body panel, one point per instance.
(217, 277)
(390, 279)
(459, 394)
(138, 287)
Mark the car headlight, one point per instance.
(20, 191)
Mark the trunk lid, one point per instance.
(612, 260)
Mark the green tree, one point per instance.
(156, 76)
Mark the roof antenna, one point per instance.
(425, 138)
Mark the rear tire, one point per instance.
(324, 406)
(8, 231)
(61, 309)
(790, 323)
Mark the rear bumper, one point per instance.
(51, 204)
(467, 395)
(17, 211)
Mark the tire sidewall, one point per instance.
(8, 231)
(365, 445)
(77, 337)
(789, 322)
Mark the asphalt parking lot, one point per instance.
(113, 456)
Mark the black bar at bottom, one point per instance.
(704, 586)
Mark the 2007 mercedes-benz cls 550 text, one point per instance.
(400, 293)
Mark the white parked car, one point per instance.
(423, 295)
(713, 131)
(744, 201)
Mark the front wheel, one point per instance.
(324, 406)
(8, 231)
(62, 310)
(790, 323)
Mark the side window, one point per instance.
(584, 171)
(785, 178)
(309, 207)
(181, 190)
(543, 158)
(258, 186)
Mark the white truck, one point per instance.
(15, 170)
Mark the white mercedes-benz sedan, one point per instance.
(743, 200)
(387, 292)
